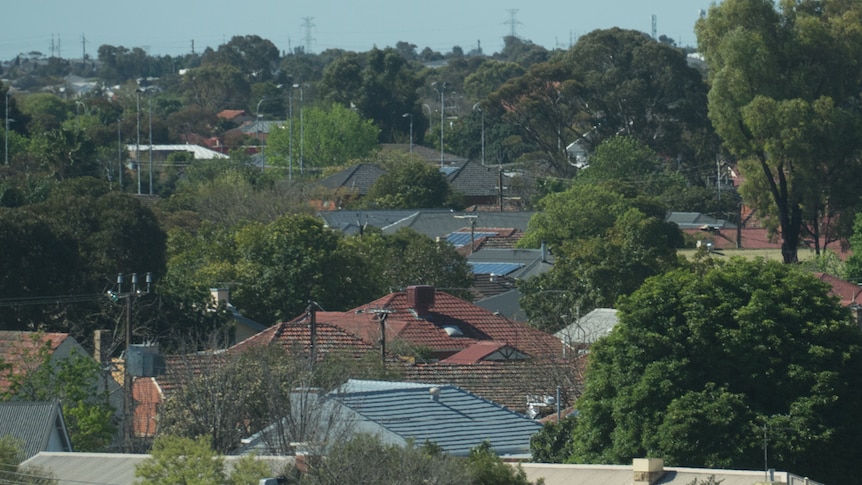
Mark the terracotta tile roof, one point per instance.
(506, 383)
(849, 293)
(449, 326)
(478, 352)
(18, 350)
(147, 396)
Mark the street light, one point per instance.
(150, 105)
(405, 115)
(479, 107)
(138, 142)
(441, 89)
(7, 126)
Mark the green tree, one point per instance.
(181, 461)
(11, 471)
(486, 468)
(410, 183)
(410, 258)
(380, 85)
(783, 99)
(489, 76)
(726, 350)
(553, 443)
(216, 87)
(77, 382)
(331, 137)
(254, 56)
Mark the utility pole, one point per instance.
(382, 314)
(441, 90)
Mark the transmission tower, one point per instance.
(513, 22)
(307, 25)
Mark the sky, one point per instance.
(171, 26)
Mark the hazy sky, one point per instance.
(170, 26)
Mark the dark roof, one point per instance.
(35, 423)
(440, 223)
(472, 179)
(358, 177)
(349, 221)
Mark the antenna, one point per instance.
(382, 314)
(307, 25)
(513, 22)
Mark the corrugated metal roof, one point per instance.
(199, 152)
(456, 420)
(590, 327)
(35, 423)
(494, 268)
(461, 239)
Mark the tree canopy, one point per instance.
(783, 98)
(708, 358)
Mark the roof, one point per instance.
(455, 420)
(19, 348)
(199, 152)
(359, 177)
(110, 468)
(449, 326)
(147, 396)
(558, 474)
(440, 223)
(696, 220)
(40, 425)
(349, 221)
(529, 262)
(473, 179)
(506, 304)
(590, 327)
(259, 126)
(849, 293)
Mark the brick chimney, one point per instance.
(647, 471)
(101, 345)
(420, 298)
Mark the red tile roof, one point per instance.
(18, 349)
(147, 395)
(449, 326)
(849, 293)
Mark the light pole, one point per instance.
(290, 135)
(301, 132)
(405, 115)
(441, 89)
(7, 126)
(138, 142)
(259, 139)
(120, 154)
(479, 107)
(150, 105)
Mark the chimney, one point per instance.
(544, 252)
(101, 345)
(420, 298)
(219, 296)
(647, 471)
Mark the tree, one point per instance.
(11, 471)
(726, 351)
(783, 99)
(331, 137)
(489, 76)
(410, 258)
(181, 461)
(216, 87)
(553, 443)
(76, 381)
(380, 85)
(486, 468)
(410, 183)
(254, 56)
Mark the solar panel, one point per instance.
(495, 268)
(460, 239)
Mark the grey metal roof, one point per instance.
(111, 468)
(35, 424)
(456, 421)
(533, 261)
(695, 220)
(349, 221)
(494, 268)
(506, 304)
(440, 223)
(590, 327)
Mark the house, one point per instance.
(39, 425)
(348, 185)
(113, 468)
(480, 185)
(238, 116)
(651, 471)
(161, 152)
(587, 329)
(399, 412)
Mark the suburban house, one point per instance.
(348, 185)
(587, 329)
(651, 471)
(113, 468)
(398, 412)
(40, 426)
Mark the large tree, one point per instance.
(708, 361)
(784, 98)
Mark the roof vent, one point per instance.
(420, 298)
(435, 393)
